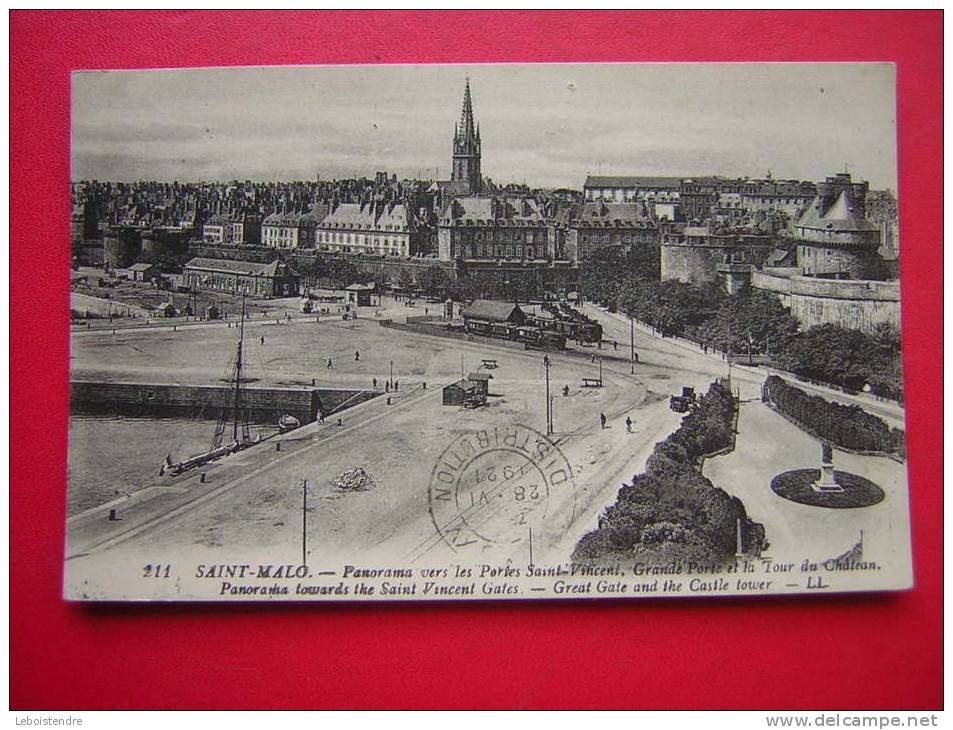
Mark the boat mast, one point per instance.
(239, 377)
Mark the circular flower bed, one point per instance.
(796, 485)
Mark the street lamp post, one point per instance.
(549, 412)
(304, 522)
(631, 345)
(391, 373)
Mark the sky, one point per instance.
(548, 125)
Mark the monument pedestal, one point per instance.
(826, 483)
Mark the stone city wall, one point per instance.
(691, 264)
(860, 305)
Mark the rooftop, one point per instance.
(246, 268)
(622, 181)
(840, 216)
(491, 311)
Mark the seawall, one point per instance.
(266, 404)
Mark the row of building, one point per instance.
(738, 231)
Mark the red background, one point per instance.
(877, 651)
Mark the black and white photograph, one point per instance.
(485, 331)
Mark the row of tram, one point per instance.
(571, 322)
(550, 329)
(527, 333)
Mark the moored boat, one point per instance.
(235, 417)
(288, 423)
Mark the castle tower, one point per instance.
(466, 147)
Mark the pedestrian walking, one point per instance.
(628, 424)
(330, 366)
(357, 356)
(396, 385)
(602, 419)
(374, 381)
(566, 391)
(387, 387)
(262, 341)
(615, 345)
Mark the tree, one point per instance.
(433, 280)
(832, 354)
(341, 271)
(462, 289)
(609, 270)
(405, 280)
(485, 285)
(754, 322)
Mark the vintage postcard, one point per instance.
(326, 345)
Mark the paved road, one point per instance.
(251, 501)
(767, 445)
(681, 354)
(251, 506)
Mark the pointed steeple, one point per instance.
(466, 115)
(466, 147)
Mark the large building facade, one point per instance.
(493, 229)
(699, 198)
(292, 230)
(591, 226)
(375, 229)
(275, 279)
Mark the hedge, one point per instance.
(850, 427)
(671, 512)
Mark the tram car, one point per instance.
(569, 322)
(587, 333)
(552, 340)
(528, 334)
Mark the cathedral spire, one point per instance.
(466, 147)
(466, 115)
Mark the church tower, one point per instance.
(466, 147)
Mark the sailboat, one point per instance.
(233, 432)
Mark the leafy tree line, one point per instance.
(846, 357)
(756, 323)
(671, 512)
(750, 323)
(607, 271)
(435, 282)
(850, 427)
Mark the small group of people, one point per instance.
(386, 384)
(628, 422)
